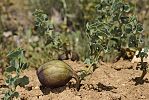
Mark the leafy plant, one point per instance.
(12, 73)
(44, 29)
(46, 43)
(115, 29)
(143, 53)
(42, 24)
(54, 41)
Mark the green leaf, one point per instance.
(142, 54)
(22, 81)
(139, 28)
(7, 81)
(128, 28)
(13, 62)
(87, 26)
(145, 49)
(7, 95)
(117, 7)
(132, 41)
(15, 94)
(126, 8)
(133, 18)
(15, 54)
(99, 7)
(10, 69)
(116, 39)
(115, 17)
(124, 19)
(24, 66)
(11, 80)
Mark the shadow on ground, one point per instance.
(97, 87)
(139, 81)
(46, 90)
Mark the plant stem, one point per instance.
(143, 74)
(143, 67)
(78, 81)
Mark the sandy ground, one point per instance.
(108, 82)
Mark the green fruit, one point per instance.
(56, 73)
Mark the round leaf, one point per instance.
(126, 8)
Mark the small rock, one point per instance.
(37, 87)
(116, 97)
(142, 97)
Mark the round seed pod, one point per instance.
(74, 56)
(69, 55)
(56, 73)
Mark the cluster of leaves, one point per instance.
(143, 53)
(12, 73)
(44, 28)
(57, 42)
(116, 27)
(49, 41)
(42, 24)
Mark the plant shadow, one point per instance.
(139, 81)
(104, 87)
(98, 87)
(47, 90)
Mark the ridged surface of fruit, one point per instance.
(56, 73)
